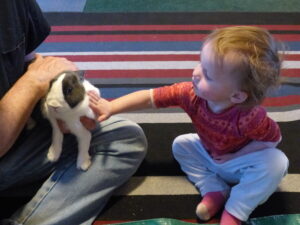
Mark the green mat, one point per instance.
(291, 219)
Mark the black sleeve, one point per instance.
(38, 27)
(22, 29)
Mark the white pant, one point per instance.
(255, 175)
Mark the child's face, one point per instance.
(214, 81)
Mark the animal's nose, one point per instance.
(54, 107)
(54, 104)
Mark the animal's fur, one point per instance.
(67, 100)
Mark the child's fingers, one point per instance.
(93, 97)
(102, 118)
(93, 94)
(93, 101)
(93, 106)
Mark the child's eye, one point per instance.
(207, 78)
(204, 71)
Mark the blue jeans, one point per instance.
(69, 195)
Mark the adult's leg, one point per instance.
(26, 161)
(71, 196)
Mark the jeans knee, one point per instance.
(121, 136)
(138, 136)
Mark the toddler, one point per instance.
(232, 159)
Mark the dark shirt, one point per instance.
(22, 29)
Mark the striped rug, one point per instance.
(125, 52)
(130, 45)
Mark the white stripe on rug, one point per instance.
(152, 65)
(137, 53)
(179, 185)
(286, 116)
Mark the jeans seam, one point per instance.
(38, 202)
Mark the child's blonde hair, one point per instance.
(257, 51)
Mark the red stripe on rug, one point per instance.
(290, 72)
(125, 37)
(147, 37)
(161, 73)
(291, 57)
(115, 58)
(148, 57)
(282, 101)
(138, 73)
(106, 222)
(161, 27)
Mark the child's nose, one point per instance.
(196, 78)
(196, 74)
(197, 70)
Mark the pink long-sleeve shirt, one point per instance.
(221, 133)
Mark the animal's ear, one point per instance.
(80, 74)
(54, 80)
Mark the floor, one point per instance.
(128, 45)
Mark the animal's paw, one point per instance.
(84, 164)
(52, 154)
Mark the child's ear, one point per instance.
(238, 97)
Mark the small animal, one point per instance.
(67, 101)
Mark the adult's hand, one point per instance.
(44, 69)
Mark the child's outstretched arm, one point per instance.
(133, 101)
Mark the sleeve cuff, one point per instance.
(152, 98)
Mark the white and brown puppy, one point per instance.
(67, 100)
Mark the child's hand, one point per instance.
(101, 107)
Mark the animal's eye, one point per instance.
(68, 90)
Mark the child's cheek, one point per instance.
(196, 88)
(202, 89)
(201, 92)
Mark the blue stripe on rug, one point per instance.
(119, 46)
(62, 5)
(131, 46)
(285, 90)
(114, 92)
